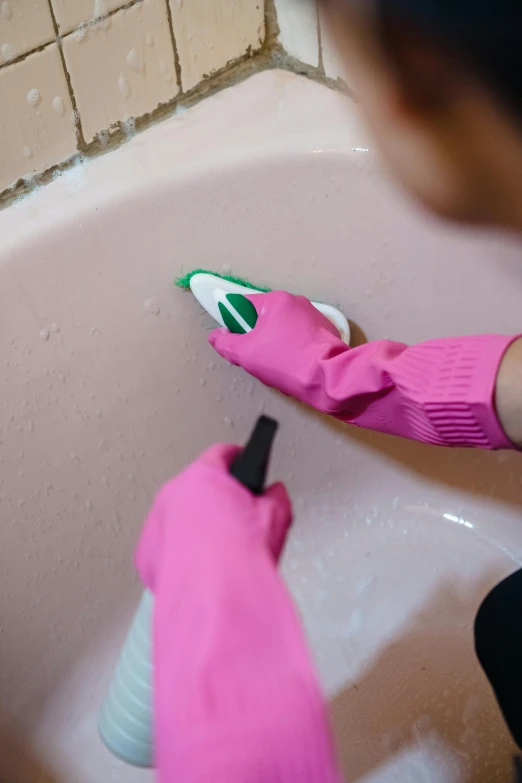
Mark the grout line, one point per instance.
(77, 118)
(271, 25)
(320, 39)
(88, 23)
(177, 64)
(53, 17)
(22, 57)
(80, 141)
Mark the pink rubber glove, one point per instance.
(236, 698)
(440, 392)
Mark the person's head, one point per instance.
(440, 83)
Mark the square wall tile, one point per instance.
(24, 25)
(72, 13)
(211, 33)
(36, 126)
(298, 29)
(121, 67)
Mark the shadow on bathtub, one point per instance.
(18, 763)
(424, 704)
(492, 475)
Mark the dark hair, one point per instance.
(484, 34)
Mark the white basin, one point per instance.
(394, 545)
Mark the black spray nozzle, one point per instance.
(251, 465)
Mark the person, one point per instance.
(440, 85)
(236, 697)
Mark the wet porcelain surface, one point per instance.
(109, 388)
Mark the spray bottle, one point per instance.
(126, 717)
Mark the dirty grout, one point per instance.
(271, 55)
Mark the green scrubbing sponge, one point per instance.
(226, 299)
(184, 280)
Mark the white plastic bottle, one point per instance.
(125, 721)
(126, 718)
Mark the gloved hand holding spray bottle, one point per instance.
(226, 691)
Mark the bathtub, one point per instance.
(109, 388)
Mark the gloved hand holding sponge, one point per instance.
(440, 392)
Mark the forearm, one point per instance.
(236, 695)
(441, 392)
(508, 393)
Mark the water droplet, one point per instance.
(149, 40)
(80, 33)
(27, 152)
(100, 9)
(8, 52)
(128, 126)
(55, 328)
(45, 334)
(103, 445)
(151, 306)
(94, 331)
(226, 269)
(123, 85)
(165, 72)
(203, 382)
(104, 480)
(5, 10)
(58, 106)
(33, 97)
(134, 61)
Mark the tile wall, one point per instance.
(74, 71)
